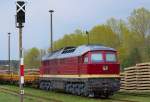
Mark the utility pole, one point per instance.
(51, 28)
(20, 19)
(88, 38)
(9, 52)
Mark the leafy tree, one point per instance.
(74, 39)
(32, 58)
(139, 21)
(101, 34)
(118, 26)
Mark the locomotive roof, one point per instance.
(75, 51)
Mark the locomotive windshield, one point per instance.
(111, 57)
(103, 57)
(97, 57)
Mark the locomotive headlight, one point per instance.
(105, 67)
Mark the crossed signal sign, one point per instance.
(20, 10)
(20, 6)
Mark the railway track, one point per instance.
(43, 99)
(29, 96)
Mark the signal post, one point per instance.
(20, 20)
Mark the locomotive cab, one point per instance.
(101, 62)
(103, 69)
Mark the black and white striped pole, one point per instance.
(20, 20)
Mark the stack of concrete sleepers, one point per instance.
(136, 78)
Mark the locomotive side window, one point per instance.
(97, 57)
(86, 59)
(111, 57)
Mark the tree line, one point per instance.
(131, 37)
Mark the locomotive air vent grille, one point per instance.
(69, 50)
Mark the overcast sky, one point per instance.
(69, 15)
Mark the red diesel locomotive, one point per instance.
(88, 70)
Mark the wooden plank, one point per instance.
(143, 88)
(122, 73)
(128, 81)
(131, 85)
(122, 87)
(143, 70)
(122, 90)
(143, 85)
(142, 67)
(143, 76)
(131, 77)
(122, 83)
(130, 88)
(122, 76)
(130, 74)
(132, 82)
(144, 73)
(138, 90)
(131, 71)
(143, 79)
(142, 82)
(130, 68)
(143, 64)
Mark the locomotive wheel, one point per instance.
(105, 96)
(78, 89)
(41, 85)
(91, 94)
(67, 87)
(47, 86)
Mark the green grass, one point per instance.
(4, 97)
(132, 97)
(69, 98)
